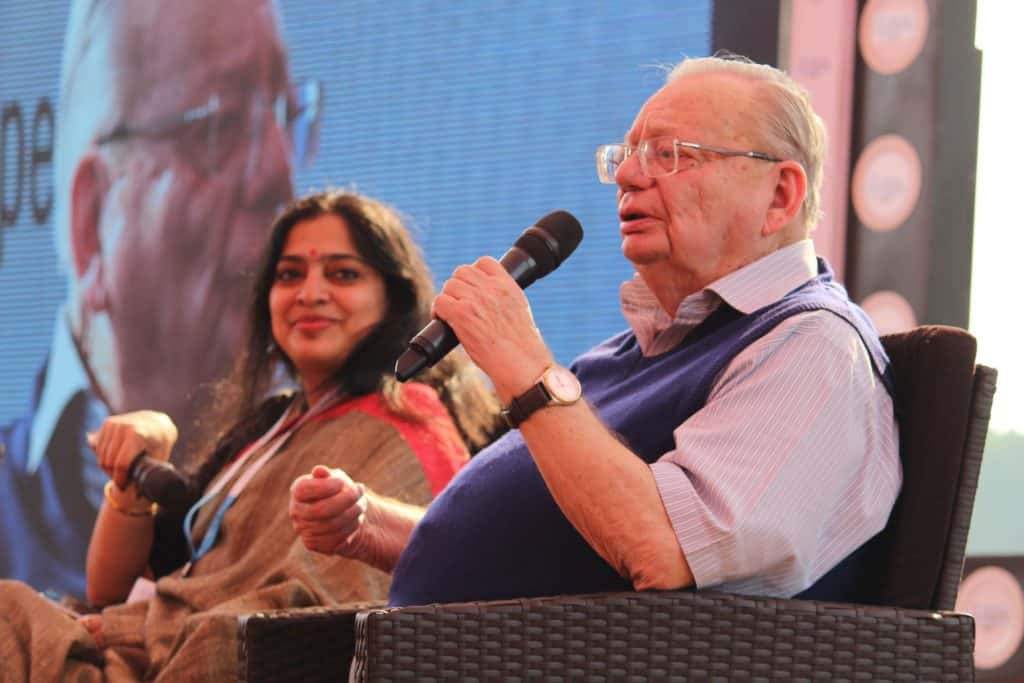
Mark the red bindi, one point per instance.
(313, 253)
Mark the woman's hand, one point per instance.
(121, 438)
(333, 514)
(328, 512)
(93, 623)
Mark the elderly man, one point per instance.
(173, 156)
(739, 435)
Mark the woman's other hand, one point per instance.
(328, 512)
(93, 623)
(121, 438)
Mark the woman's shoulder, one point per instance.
(420, 428)
(416, 402)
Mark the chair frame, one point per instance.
(683, 635)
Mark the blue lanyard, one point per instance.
(273, 440)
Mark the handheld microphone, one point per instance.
(538, 251)
(159, 481)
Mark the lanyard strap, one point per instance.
(274, 439)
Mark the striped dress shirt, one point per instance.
(793, 462)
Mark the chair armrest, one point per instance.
(662, 635)
(307, 644)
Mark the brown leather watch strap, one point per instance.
(526, 404)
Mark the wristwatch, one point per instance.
(556, 387)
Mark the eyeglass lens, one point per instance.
(658, 157)
(243, 126)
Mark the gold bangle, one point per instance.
(148, 511)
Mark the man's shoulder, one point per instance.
(818, 326)
(14, 433)
(824, 337)
(834, 313)
(14, 437)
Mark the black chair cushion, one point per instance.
(933, 370)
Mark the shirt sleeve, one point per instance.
(791, 465)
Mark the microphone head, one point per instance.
(551, 240)
(159, 481)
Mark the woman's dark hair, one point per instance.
(243, 408)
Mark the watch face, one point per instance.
(563, 385)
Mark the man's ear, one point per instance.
(88, 189)
(788, 197)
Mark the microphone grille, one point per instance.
(551, 240)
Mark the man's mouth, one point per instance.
(632, 221)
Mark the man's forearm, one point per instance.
(608, 494)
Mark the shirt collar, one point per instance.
(769, 278)
(65, 378)
(748, 289)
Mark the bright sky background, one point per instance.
(997, 316)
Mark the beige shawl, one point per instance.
(188, 631)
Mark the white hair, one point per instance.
(787, 124)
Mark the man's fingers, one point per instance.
(490, 266)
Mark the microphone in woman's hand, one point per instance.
(159, 481)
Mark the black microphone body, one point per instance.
(538, 251)
(159, 481)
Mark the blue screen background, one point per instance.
(474, 119)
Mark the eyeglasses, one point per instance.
(662, 156)
(211, 134)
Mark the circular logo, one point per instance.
(886, 183)
(889, 311)
(892, 33)
(995, 600)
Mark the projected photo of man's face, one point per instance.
(172, 198)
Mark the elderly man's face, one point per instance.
(182, 232)
(702, 222)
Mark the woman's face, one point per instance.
(324, 299)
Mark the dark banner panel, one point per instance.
(914, 154)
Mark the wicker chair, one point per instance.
(903, 631)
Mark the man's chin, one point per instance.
(640, 250)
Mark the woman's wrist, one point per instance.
(385, 532)
(127, 501)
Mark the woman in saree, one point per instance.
(341, 289)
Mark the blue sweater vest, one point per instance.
(495, 532)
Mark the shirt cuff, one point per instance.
(691, 520)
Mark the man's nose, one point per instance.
(629, 175)
(269, 174)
